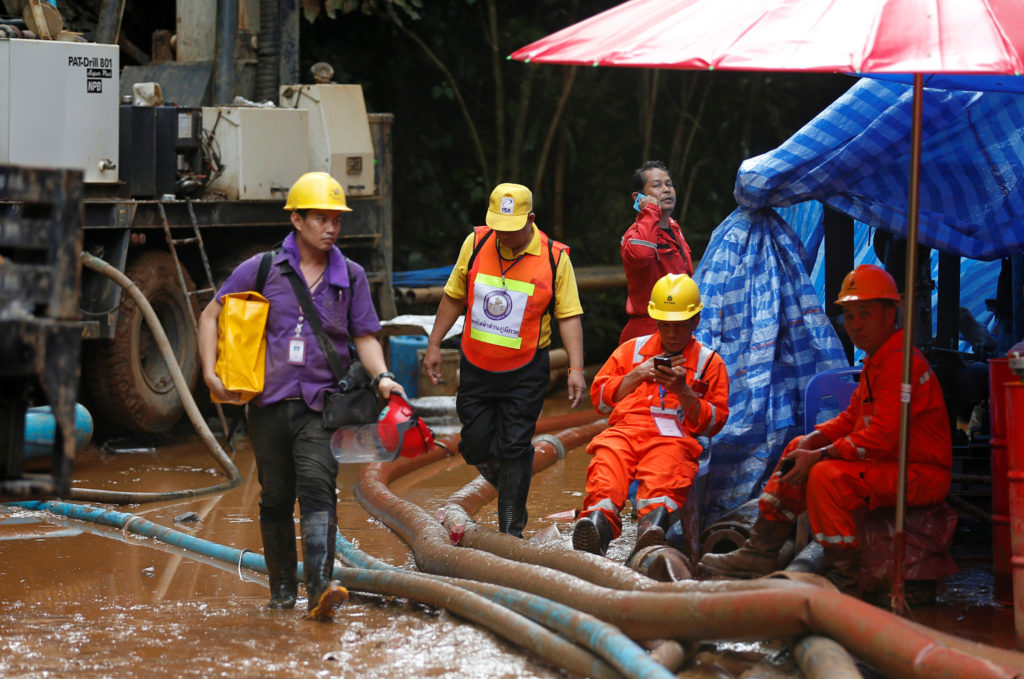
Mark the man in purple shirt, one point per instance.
(291, 446)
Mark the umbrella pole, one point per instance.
(899, 601)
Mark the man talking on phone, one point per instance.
(653, 246)
(660, 392)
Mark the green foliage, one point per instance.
(467, 118)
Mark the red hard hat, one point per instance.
(401, 430)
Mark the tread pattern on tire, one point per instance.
(120, 394)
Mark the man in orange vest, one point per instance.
(662, 391)
(514, 280)
(850, 462)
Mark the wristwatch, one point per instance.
(378, 378)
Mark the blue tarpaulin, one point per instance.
(762, 310)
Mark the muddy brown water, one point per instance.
(81, 600)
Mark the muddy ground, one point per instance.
(80, 600)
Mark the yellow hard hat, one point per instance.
(865, 282)
(674, 297)
(316, 191)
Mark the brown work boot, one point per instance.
(758, 556)
(842, 569)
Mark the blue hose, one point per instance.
(604, 639)
(379, 577)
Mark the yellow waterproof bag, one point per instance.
(242, 343)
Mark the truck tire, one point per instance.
(128, 381)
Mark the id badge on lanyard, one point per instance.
(665, 420)
(297, 346)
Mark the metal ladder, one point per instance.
(196, 239)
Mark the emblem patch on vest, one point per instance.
(497, 305)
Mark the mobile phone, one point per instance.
(638, 204)
(662, 362)
(786, 464)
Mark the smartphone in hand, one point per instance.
(662, 362)
(786, 464)
(638, 204)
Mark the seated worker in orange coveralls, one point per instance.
(850, 462)
(656, 414)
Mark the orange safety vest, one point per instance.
(506, 302)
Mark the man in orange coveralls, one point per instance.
(657, 412)
(850, 462)
(652, 246)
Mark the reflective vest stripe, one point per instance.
(500, 340)
(509, 284)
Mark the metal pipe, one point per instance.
(224, 53)
(191, 409)
(108, 25)
(899, 542)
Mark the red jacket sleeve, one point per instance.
(639, 243)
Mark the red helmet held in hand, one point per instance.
(401, 430)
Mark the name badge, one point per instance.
(297, 351)
(666, 422)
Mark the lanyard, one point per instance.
(501, 261)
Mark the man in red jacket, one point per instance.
(850, 462)
(653, 246)
(662, 391)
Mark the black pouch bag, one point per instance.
(354, 402)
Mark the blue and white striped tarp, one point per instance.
(762, 311)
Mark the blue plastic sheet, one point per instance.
(421, 278)
(762, 290)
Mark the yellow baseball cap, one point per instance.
(510, 207)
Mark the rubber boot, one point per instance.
(842, 568)
(279, 553)
(592, 533)
(318, 544)
(489, 470)
(513, 488)
(758, 556)
(651, 529)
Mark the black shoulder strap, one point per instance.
(306, 303)
(265, 261)
(554, 269)
(707, 364)
(476, 250)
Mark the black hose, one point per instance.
(268, 65)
